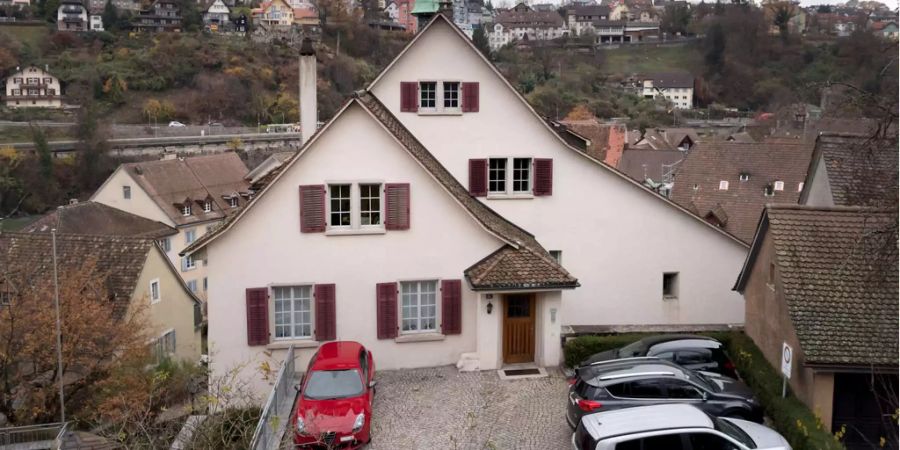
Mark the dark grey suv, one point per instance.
(687, 350)
(646, 381)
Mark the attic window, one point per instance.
(696, 187)
(233, 202)
(769, 191)
(745, 176)
(800, 187)
(186, 209)
(779, 185)
(207, 206)
(723, 185)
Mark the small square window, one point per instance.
(339, 195)
(192, 285)
(233, 202)
(186, 210)
(207, 206)
(779, 185)
(154, 291)
(670, 285)
(428, 95)
(188, 263)
(166, 244)
(723, 185)
(451, 95)
(190, 236)
(745, 177)
(497, 175)
(126, 192)
(769, 191)
(557, 255)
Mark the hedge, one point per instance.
(789, 416)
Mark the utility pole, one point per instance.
(59, 370)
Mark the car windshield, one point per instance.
(633, 349)
(331, 384)
(734, 431)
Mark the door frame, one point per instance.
(532, 302)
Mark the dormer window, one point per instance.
(745, 176)
(779, 185)
(233, 202)
(800, 187)
(769, 190)
(207, 206)
(696, 187)
(723, 185)
(186, 209)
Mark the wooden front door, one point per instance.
(518, 329)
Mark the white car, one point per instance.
(671, 427)
(176, 124)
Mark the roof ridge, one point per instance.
(835, 208)
(76, 236)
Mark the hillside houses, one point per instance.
(523, 23)
(32, 87)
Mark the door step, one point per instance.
(521, 372)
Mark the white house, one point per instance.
(72, 15)
(32, 87)
(453, 236)
(676, 87)
(523, 23)
(392, 10)
(216, 16)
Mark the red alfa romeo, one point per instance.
(334, 408)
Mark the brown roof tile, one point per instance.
(94, 218)
(652, 164)
(838, 268)
(861, 171)
(709, 163)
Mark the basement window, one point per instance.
(670, 285)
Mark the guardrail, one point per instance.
(51, 433)
(266, 436)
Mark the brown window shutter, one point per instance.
(408, 92)
(470, 97)
(451, 306)
(326, 320)
(478, 177)
(312, 208)
(543, 176)
(386, 310)
(257, 316)
(396, 206)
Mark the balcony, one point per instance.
(33, 97)
(71, 10)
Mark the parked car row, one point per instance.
(676, 392)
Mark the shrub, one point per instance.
(578, 349)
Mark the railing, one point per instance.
(51, 433)
(278, 406)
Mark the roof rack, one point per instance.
(633, 358)
(636, 374)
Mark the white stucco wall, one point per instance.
(617, 238)
(266, 247)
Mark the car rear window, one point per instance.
(332, 384)
(734, 431)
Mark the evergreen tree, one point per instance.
(480, 39)
(43, 151)
(110, 16)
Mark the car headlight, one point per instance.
(358, 423)
(300, 425)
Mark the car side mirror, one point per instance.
(372, 384)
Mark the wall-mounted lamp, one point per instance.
(490, 307)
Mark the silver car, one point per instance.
(671, 427)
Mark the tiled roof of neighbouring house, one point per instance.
(669, 80)
(530, 19)
(92, 218)
(838, 269)
(172, 181)
(27, 257)
(861, 171)
(653, 164)
(698, 178)
(607, 139)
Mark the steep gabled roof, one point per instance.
(838, 269)
(862, 170)
(535, 268)
(543, 121)
(667, 80)
(92, 218)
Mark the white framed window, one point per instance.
(207, 206)
(745, 177)
(521, 175)
(165, 244)
(497, 175)
(779, 185)
(428, 95)
(126, 192)
(369, 204)
(339, 205)
(451, 95)
(292, 306)
(800, 187)
(233, 202)
(192, 285)
(418, 306)
(188, 263)
(165, 344)
(723, 185)
(440, 97)
(190, 236)
(509, 176)
(155, 294)
(186, 209)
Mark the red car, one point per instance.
(334, 408)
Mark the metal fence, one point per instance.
(50, 433)
(275, 414)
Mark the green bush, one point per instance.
(789, 416)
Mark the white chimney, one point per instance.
(309, 114)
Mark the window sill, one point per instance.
(354, 232)
(670, 297)
(419, 337)
(510, 196)
(440, 113)
(303, 343)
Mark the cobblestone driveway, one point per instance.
(440, 408)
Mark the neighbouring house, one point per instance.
(823, 280)
(392, 10)
(306, 17)
(32, 87)
(162, 16)
(729, 184)
(193, 195)
(405, 16)
(524, 24)
(604, 141)
(331, 250)
(676, 87)
(582, 19)
(92, 218)
(138, 275)
(273, 13)
(851, 169)
(95, 19)
(886, 30)
(683, 139)
(216, 16)
(654, 168)
(72, 15)
(262, 173)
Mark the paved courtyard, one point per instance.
(441, 408)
